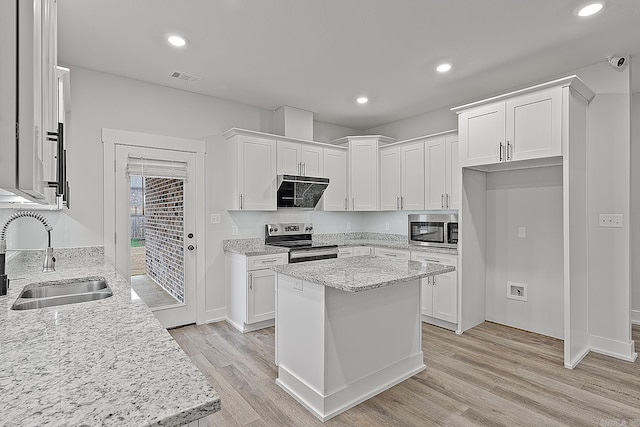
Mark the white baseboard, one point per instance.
(325, 407)
(635, 317)
(577, 360)
(438, 322)
(243, 327)
(214, 315)
(618, 349)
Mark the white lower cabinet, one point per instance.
(361, 250)
(345, 252)
(392, 253)
(251, 290)
(439, 293)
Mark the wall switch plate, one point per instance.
(234, 230)
(386, 226)
(517, 291)
(215, 218)
(522, 232)
(610, 220)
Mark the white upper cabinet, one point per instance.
(252, 174)
(335, 168)
(518, 126)
(402, 177)
(435, 158)
(28, 32)
(453, 178)
(390, 188)
(299, 159)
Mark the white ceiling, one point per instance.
(319, 55)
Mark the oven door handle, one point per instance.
(304, 253)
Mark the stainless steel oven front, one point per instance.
(434, 229)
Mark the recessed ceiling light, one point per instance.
(590, 9)
(362, 100)
(177, 40)
(443, 68)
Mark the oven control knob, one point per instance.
(275, 229)
(309, 229)
(271, 230)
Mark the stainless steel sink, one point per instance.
(48, 294)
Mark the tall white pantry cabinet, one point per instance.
(544, 125)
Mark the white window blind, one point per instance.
(156, 168)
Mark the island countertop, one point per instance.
(106, 362)
(361, 273)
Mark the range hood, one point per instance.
(300, 191)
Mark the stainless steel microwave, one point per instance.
(434, 229)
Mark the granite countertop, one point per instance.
(361, 273)
(106, 362)
(256, 246)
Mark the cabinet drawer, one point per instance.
(265, 261)
(435, 257)
(345, 252)
(392, 253)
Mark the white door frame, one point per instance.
(114, 137)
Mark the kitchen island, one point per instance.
(348, 329)
(105, 362)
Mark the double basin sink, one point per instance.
(71, 291)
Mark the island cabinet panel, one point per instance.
(336, 349)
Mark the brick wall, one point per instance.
(164, 233)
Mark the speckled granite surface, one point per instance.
(106, 362)
(251, 247)
(256, 246)
(361, 273)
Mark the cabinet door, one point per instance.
(435, 157)
(289, 158)
(363, 173)
(481, 131)
(335, 168)
(261, 295)
(257, 173)
(427, 297)
(445, 297)
(390, 179)
(453, 178)
(312, 161)
(413, 177)
(534, 125)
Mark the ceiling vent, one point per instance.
(179, 75)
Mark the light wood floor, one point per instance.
(490, 375)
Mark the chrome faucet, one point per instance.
(49, 260)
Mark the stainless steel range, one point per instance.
(298, 238)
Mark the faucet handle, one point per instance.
(49, 261)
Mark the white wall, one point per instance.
(529, 198)
(635, 206)
(326, 132)
(424, 124)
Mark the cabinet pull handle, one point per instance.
(250, 281)
(442, 201)
(509, 150)
(269, 261)
(401, 202)
(304, 169)
(241, 202)
(448, 201)
(397, 202)
(391, 255)
(501, 145)
(346, 206)
(353, 203)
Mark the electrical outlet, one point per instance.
(215, 218)
(522, 232)
(234, 230)
(386, 226)
(610, 220)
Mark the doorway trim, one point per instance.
(113, 137)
